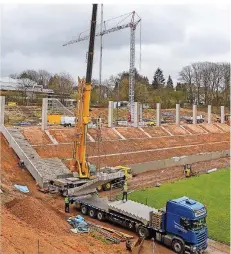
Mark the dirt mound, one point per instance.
(38, 215)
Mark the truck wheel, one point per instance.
(84, 209)
(178, 246)
(100, 216)
(107, 186)
(143, 232)
(92, 213)
(99, 188)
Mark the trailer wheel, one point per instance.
(100, 216)
(107, 186)
(92, 213)
(143, 232)
(84, 209)
(178, 246)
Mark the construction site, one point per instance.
(86, 155)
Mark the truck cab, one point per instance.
(186, 220)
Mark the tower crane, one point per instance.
(132, 24)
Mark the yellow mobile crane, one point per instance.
(79, 162)
(83, 171)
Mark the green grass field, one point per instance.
(213, 190)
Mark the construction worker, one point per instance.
(67, 204)
(125, 191)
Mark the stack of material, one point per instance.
(156, 219)
(79, 224)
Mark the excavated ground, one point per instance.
(138, 150)
(27, 218)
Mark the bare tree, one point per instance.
(24, 86)
(186, 76)
(43, 78)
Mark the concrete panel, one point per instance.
(177, 114)
(44, 113)
(110, 114)
(158, 114)
(209, 114)
(2, 109)
(222, 114)
(178, 161)
(194, 114)
(141, 112)
(136, 114)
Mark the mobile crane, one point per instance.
(84, 173)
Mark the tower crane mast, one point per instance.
(132, 24)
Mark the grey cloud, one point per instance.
(37, 32)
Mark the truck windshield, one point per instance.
(198, 224)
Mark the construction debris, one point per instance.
(79, 224)
(21, 188)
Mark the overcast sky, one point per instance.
(172, 36)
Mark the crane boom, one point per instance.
(107, 31)
(79, 162)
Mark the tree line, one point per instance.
(61, 83)
(199, 83)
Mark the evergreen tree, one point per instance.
(158, 79)
(170, 83)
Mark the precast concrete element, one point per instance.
(148, 135)
(132, 209)
(53, 140)
(141, 113)
(91, 185)
(158, 114)
(177, 161)
(42, 170)
(209, 114)
(2, 105)
(44, 113)
(177, 114)
(194, 114)
(222, 114)
(110, 113)
(90, 137)
(118, 133)
(136, 114)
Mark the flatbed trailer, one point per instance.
(146, 221)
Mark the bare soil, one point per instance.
(27, 218)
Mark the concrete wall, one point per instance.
(28, 163)
(178, 161)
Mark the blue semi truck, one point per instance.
(181, 225)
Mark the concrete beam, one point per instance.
(194, 114)
(222, 114)
(136, 114)
(110, 113)
(177, 114)
(2, 109)
(158, 114)
(209, 114)
(44, 113)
